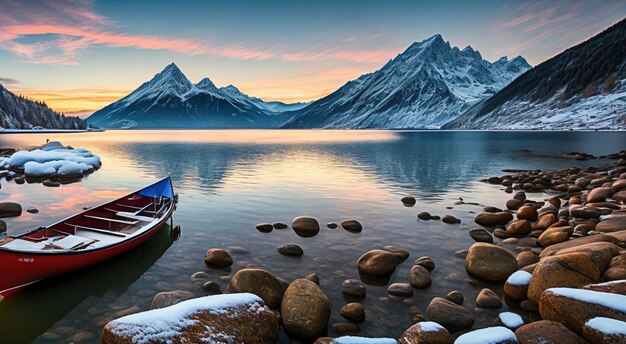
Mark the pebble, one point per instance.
(264, 227)
(353, 311)
(408, 201)
(488, 299)
(426, 262)
(424, 216)
(331, 225)
(456, 297)
(51, 183)
(400, 289)
(419, 277)
(32, 210)
(290, 250)
(353, 287)
(279, 225)
(352, 226)
(449, 219)
(481, 235)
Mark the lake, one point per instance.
(229, 181)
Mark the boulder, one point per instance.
(488, 299)
(547, 332)
(514, 204)
(566, 270)
(493, 219)
(10, 209)
(242, 318)
(426, 332)
(217, 258)
(450, 315)
(353, 311)
(258, 282)
(612, 224)
(585, 212)
(490, 262)
(516, 286)
(555, 235)
(168, 298)
(519, 227)
(527, 212)
(615, 287)
(574, 307)
(601, 330)
(424, 216)
(491, 335)
(305, 226)
(545, 220)
(599, 194)
(526, 258)
(554, 249)
(377, 263)
(305, 310)
(352, 226)
(419, 277)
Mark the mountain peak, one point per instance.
(206, 84)
(520, 62)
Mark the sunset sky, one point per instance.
(79, 55)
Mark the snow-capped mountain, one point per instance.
(17, 112)
(170, 100)
(426, 86)
(583, 87)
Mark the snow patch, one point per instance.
(362, 340)
(430, 326)
(490, 335)
(53, 159)
(607, 326)
(163, 324)
(520, 277)
(616, 302)
(511, 320)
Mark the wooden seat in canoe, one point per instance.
(99, 230)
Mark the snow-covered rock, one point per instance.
(605, 330)
(511, 320)
(362, 340)
(424, 87)
(54, 159)
(227, 318)
(489, 335)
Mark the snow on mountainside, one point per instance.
(426, 86)
(583, 87)
(170, 100)
(17, 112)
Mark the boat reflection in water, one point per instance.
(51, 299)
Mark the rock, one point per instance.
(516, 286)
(258, 282)
(493, 219)
(488, 299)
(305, 226)
(599, 194)
(554, 249)
(353, 311)
(500, 233)
(612, 224)
(343, 328)
(490, 209)
(211, 288)
(573, 307)
(566, 270)
(377, 263)
(400, 289)
(555, 201)
(3, 226)
(481, 235)
(424, 216)
(426, 262)
(601, 330)
(490, 262)
(408, 201)
(19, 180)
(168, 298)
(279, 225)
(426, 332)
(290, 250)
(313, 277)
(449, 219)
(519, 227)
(614, 287)
(491, 335)
(419, 277)
(217, 258)
(51, 183)
(585, 212)
(545, 220)
(242, 318)
(331, 225)
(545, 332)
(527, 212)
(264, 227)
(619, 196)
(352, 287)
(514, 204)
(305, 310)
(401, 254)
(352, 226)
(528, 242)
(555, 235)
(32, 210)
(450, 315)
(526, 258)
(529, 306)
(10, 209)
(510, 320)
(82, 336)
(456, 297)
(520, 195)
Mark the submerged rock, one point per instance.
(353, 311)
(258, 282)
(305, 310)
(168, 298)
(290, 250)
(353, 287)
(377, 263)
(217, 258)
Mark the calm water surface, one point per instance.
(229, 181)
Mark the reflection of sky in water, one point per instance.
(230, 180)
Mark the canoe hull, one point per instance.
(18, 270)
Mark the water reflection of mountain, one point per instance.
(424, 163)
(50, 300)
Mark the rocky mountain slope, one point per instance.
(170, 100)
(426, 86)
(583, 87)
(17, 112)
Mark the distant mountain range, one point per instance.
(426, 86)
(170, 100)
(583, 87)
(17, 112)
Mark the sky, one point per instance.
(81, 55)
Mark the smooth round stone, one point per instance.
(488, 299)
(211, 288)
(313, 277)
(527, 212)
(401, 254)
(424, 216)
(400, 289)
(490, 209)
(352, 226)
(331, 225)
(305, 226)
(50, 183)
(481, 235)
(264, 227)
(419, 277)
(449, 219)
(217, 258)
(426, 262)
(490, 262)
(10, 209)
(408, 201)
(353, 311)
(279, 225)
(377, 263)
(290, 250)
(353, 287)
(449, 315)
(456, 297)
(345, 328)
(519, 227)
(32, 210)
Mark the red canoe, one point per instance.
(90, 237)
